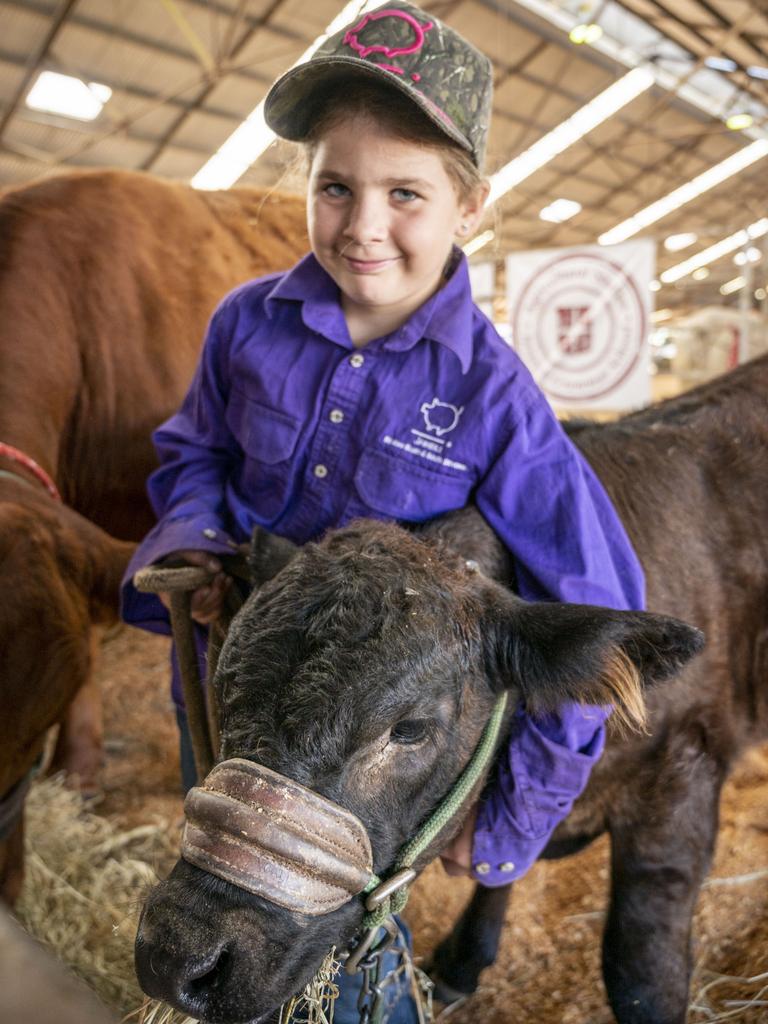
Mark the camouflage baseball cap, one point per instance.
(401, 45)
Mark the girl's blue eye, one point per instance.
(335, 189)
(404, 194)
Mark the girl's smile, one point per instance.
(382, 215)
(367, 266)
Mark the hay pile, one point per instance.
(84, 886)
(85, 883)
(548, 971)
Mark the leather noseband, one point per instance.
(275, 838)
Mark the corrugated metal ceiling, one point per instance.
(185, 73)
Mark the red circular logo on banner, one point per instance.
(579, 324)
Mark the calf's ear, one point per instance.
(268, 555)
(554, 653)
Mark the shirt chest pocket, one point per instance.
(268, 438)
(401, 490)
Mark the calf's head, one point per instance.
(365, 670)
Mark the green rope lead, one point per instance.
(448, 807)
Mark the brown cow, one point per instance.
(107, 279)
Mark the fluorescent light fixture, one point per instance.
(757, 71)
(54, 93)
(721, 63)
(677, 242)
(660, 315)
(722, 248)
(750, 255)
(701, 274)
(560, 210)
(603, 106)
(714, 176)
(477, 243)
(249, 140)
(580, 34)
(738, 122)
(734, 285)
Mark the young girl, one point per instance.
(365, 382)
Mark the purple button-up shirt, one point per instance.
(288, 426)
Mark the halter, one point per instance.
(37, 471)
(273, 837)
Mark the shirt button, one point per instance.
(507, 866)
(209, 533)
(356, 360)
(482, 868)
(320, 470)
(336, 416)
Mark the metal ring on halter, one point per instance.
(403, 877)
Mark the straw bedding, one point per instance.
(87, 871)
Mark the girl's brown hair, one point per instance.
(399, 117)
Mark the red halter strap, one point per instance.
(34, 468)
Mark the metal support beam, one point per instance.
(53, 30)
(126, 35)
(136, 91)
(206, 91)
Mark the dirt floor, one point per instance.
(548, 971)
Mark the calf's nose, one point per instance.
(192, 982)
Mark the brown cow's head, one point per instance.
(365, 670)
(58, 572)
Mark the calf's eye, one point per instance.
(410, 730)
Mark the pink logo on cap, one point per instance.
(350, 39)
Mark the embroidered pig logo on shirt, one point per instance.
(440, 417)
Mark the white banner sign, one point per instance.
(482, 278)
(580, 319)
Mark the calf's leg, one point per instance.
(472, 946)
(80, 745)
(659, 861)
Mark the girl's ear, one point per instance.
(472, 209)
(556, 652)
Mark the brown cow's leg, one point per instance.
(472, 945)
(12, 864)
(659, 863)
(80, 744)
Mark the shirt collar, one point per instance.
(318, 294)
(446, 317)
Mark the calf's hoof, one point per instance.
(444, 993)
(82, 769)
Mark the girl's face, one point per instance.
(382, 216)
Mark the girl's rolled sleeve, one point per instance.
(544, 768)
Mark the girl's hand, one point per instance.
(457, 856)
(207, 600)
